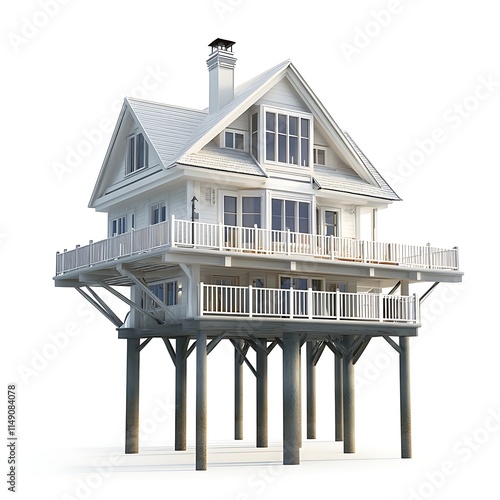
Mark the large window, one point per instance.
(287, 138)
(243, 211)
(137, 153)
(289, 214)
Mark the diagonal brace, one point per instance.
(245, 359)
(170, 349)
(99, 307)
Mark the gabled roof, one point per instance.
(182, 136)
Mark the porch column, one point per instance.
(180, 393)
(238, 392)
(348, 397)
(339, 399)
(132, 397)
(291, 396)
(311, 390)
(404, 387)
(201, 401)
(262, 436)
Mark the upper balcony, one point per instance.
(253, 241)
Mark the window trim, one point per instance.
(233, 131)
(158, 204)
(319, 148)
(323, 211)
(116, 219)
(132, 170)
(150, 304)
(239, 195)
(262, 136)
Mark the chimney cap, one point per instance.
(221, 43)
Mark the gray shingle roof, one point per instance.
(167, 127)
(331, 180)
(388, 191)
(222, 159)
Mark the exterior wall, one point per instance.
(284, 95)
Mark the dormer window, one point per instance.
(287, 138)
(234, 140)
(137, 153)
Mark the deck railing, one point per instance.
(222, 300)
(201, 235)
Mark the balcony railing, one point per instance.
(221, 300)
(201, 235)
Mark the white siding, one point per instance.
(207, 204)
(348, 224)
(241, 123)
(283, 95)
(177, 203)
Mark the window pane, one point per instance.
(290, 215)
(304, 218)
(293, 151)
(304, 152)
(255, 145)
(277, 214)
(271, 121)
(255, 121)
(319, 156)
(230, 204)
(238, 141)
(304, 127)
(230, 211)
(131, 154)
(294, 125)
(163, 215)
(270, 146)
(251, 204)
(251, 220)
(113, 230)
(317, 285)
(229, 140)
(285, 283)
(140, 147)
(282, 148)
(282, 124)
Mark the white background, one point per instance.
(418, 66)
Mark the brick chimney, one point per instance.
(221, 65)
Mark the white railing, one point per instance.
(222, 300)
(123, 245)
(201, 235)
(268, 241)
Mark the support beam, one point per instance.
(262, 432)
(291, 403)
(405, 400)
(181, 345)
(311, 348)
(133, 305)
(349, 407)
(99, 308)
(139, 284)
(238, 389)
(201, 401)
(132, 397)
(339, 399)
(116, 319)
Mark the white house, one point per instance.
(253, 221)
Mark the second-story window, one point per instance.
(158, 213)
(137, 153)
(287, 138)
